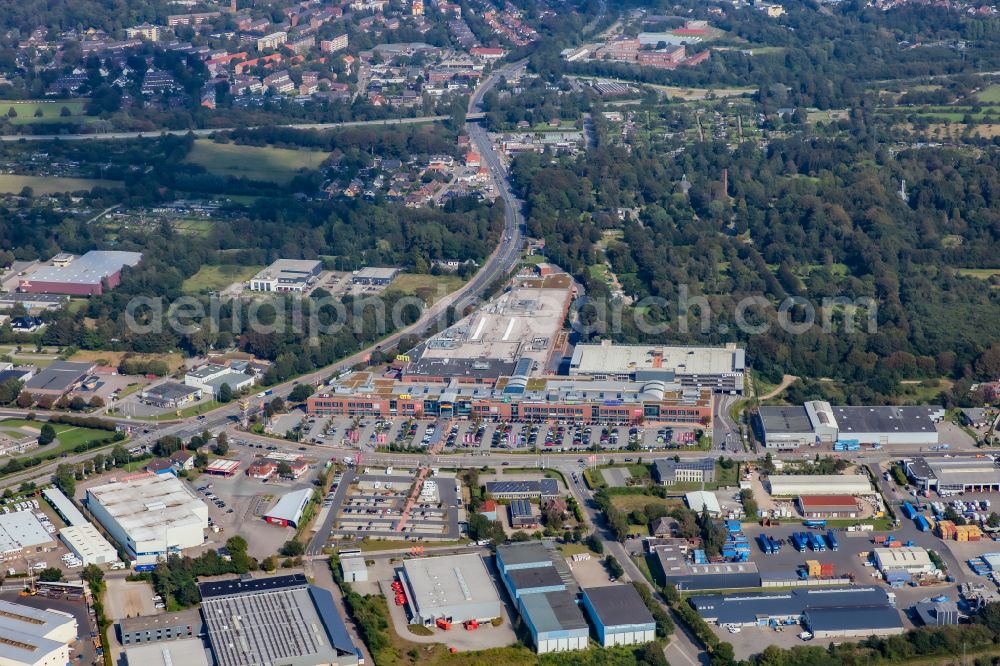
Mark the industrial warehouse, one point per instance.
(35, 637)
(954, 475)
(454, 588)
(619, 615)
(150, 515)
(545, 595)
(288, 511)
(828, 613)
(686, 575)
(287, 275)
(20, 530)
(817, 422)
(83, 276)
(790, 485)
(88, 544)
(276, 620)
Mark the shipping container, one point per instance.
(909, 510)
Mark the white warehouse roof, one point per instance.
(88, 544)
(64, 506)
(911, 559)
(146, 506)
(20, 530)
(702, 499)
(819, 484)
(289, 508)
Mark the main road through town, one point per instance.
(503, 259)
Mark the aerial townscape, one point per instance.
(507, 332)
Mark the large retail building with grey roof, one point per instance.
(720, 369)
(817, 422)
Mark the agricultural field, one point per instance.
(51, 111)
(217, 278)
(431, 288)
(12, 184)
(277, 165)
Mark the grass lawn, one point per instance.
(278, 165)
(68, 436)
(881, 524)
(12, 184)
(921, 392)
(978, 273)
(431, 288)
(193, 227)
(216, 278)
(989, 95)
(702, 93)
(629, 503)
(51, 111)
(173, 361)
(570, 549)
(598, 271)
(75, 305)
(534, 259)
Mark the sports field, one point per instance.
(278, 165)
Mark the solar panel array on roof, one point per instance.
(234, 586)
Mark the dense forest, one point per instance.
(805, 217)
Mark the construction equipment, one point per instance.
(471, 625)
(443, 623)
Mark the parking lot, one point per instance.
(237, 504)
(485, 436)
(372, 503)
